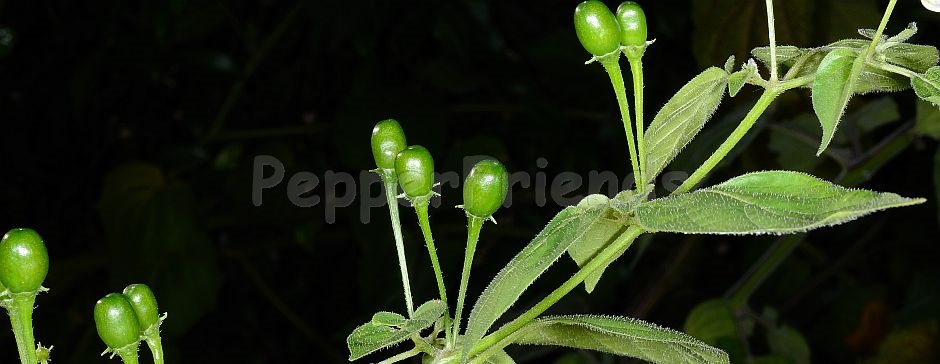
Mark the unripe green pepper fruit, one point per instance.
(116, 321)
(485, 188)
(632, 21)
(144, 303)
(24, 261)
(415, 169)
(596, 27)
(388, 139)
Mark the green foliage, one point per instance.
(599, 236)
(740, 78)
(619, 336)
(770, 202)
(371, 337)
(832, 91)
(789, 343)
(149, 220)
(927, 86)
(711, 321)
(565, 228)
(730, 26)
(682, 118)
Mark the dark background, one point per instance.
(129, 130)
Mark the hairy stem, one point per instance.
(156, 347)
(741, 292)
(402, 356)
(391, 194)
(20, 309)
(771, 30)
(765, 100)
(636, 68)
(612, 66)
(603, 258)
(421, 208)
(474, 224)
(881, 26)
(128, 353)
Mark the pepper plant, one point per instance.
(122, 319)
(598, 230)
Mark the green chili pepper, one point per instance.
(597, 28)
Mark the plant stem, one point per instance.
(20, 309)
(612, 66)
(474, 224)
(741, 292)
(636, 68)
(421, 208)
(156, 347)
(391, 194)
(765, 100)
(773, 41)
(128, 353)
(402, 356)
(881, 26)
(603, 258)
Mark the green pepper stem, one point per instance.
(20, 309)
(156, 347)
(391, 194)
(128, 353)
(621, 244)
(474, 224)
(765, 100)
(881, 26)
(611, 64)
(421, 208)
(636, 68)
(771, 30)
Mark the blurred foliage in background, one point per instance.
(129, 131)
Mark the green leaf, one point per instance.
(602, 233)
(927, 86)
(832, 90)
(729, 64)
(682, 118)
(619, 336)
(151, 228)
(565, 228)
(769, 202)
(789, 343)
(915, 57)
(905, 34)
(371, 337)
(711, 321)
(740, 78)
(785, 54)
(500, 358)
(384, 318)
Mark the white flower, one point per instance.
(932, 5)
